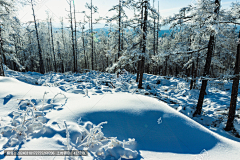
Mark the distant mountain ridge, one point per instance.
(106, 30)
(161, 32)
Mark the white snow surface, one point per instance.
(111, 123)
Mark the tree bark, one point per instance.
(206, 72)
(119, 29)
(144, 44)
(76, 48)
(157, 39)
(42, 70)
(207, 66)
(233, 102)
(192, 81)
(141, 44)
(137, 79)
(54, 55)
(92, 35)
(1, 53)
(84, 52)
(73, 45)
(63, 48)
(166, 67)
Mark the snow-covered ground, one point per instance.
(112, 119)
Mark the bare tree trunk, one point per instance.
(206, 72)
(140, 47)
(119, 29)
(154, 33)
(192, 81)
(144, 44)
(83, 41)
(64, 47)
(154, 40)
(42, 70)
(73, 46)
(54, 55)
(207, 67)
(76, 49)
(233, 102)
(166, 67)
(157, 37)
(60, 57)
(137, 79)
(196, 72)
(1, 53)
(92, 34)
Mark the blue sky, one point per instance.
(58, 9)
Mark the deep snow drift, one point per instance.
(137, 125)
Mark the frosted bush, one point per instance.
(67, 136)
(24, 122)
(44, 98)
(51, 102)
(93, 138)
(57, 95)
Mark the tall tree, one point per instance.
(1, 53)
(75, 32)
(83, 44)
(42, 70)
(72, 35)
(141, 24)
(64, 46)
(146, 4)
(207, 64)
(233, 102)
(119, 28)
(93, 9)
(92, 34)
(54, 54)
(157, 35)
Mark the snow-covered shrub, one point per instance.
(57, 95)
(44, 99)
(92, 138)
(24, 122)
(52, 100)
(67, 136)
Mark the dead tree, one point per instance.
(141, 19)
(54, 55)
(119, 29)
(73, 43)
(83, 45)
(75, 31)
(157, 36)
(64, 47)
(42, 70)
(92, 33)
(233, 102)
(1, 53)
(143, 43)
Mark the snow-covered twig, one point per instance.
(44, 99)
(29, 103)
(56, 96)
(67, 136)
